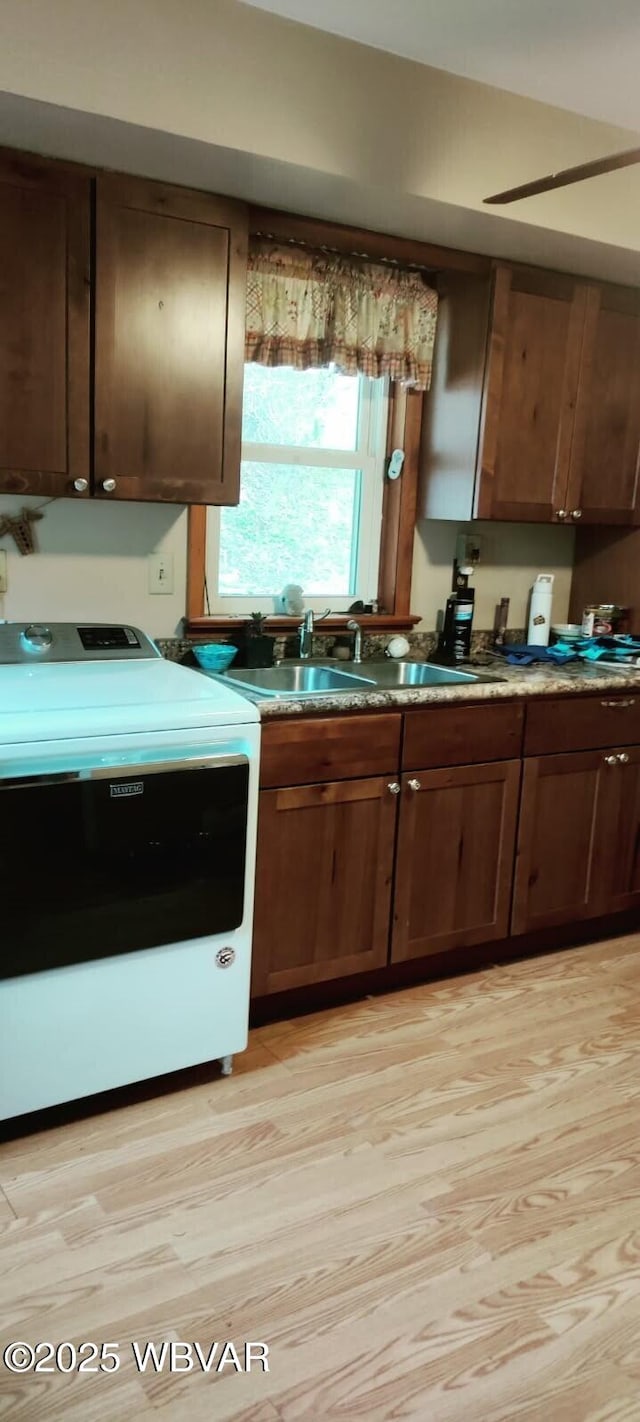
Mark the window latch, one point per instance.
(396, 461)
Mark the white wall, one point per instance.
(221, 73)
(511, 556)
(92, 564)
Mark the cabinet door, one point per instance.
(44, 326)
(603, 483)
(621, 831)
(455, 857)
(323, 882)
(170, 304)
(530, 392)
(560, 870)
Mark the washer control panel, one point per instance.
(72, 642)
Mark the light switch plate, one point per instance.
(3, 571)
(160, 572)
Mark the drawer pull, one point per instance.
(623, 758)
(626, 701)
(414, 784)
(394, 788)
(610, 759)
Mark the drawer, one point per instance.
(300, 752)
(582, 723)
(462, 735)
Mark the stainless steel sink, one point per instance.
(322, 679)
(297, 679)
(389, 674)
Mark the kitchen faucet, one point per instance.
(353, 626)
(305, 635)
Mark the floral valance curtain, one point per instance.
(307, 308)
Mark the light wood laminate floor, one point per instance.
(426, 1204)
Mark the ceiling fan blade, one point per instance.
(567, 176)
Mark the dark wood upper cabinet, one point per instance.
(44, 326)
(534, 414)
(605, 453)
(170, 310)
(531, 387)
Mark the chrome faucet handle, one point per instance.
(305, 634)
(353, 626)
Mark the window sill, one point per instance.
(280, 626)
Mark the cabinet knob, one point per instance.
(621, 704)
(394, 787)
(576, 513)
(414, 784)
(610, 759)
(81, 485)
(623, 758)
(108, 485)
(563, 513)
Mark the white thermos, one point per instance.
(540, 611)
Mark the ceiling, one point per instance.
(581, 55)
(241, 101)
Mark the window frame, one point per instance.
(368, 459)
(399, 512)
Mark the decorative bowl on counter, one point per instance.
(215, 656)
(566, 631)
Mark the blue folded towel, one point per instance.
(523, 654)
(591, 649)
(617, 649)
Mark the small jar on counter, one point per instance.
(603, 619)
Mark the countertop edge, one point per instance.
(520, 683)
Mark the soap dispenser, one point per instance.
(540, 611)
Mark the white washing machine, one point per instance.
(128, 805)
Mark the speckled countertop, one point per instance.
(574, 679)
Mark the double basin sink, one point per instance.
(321, 678)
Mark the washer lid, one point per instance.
(67, 700)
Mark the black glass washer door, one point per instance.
(91, 867)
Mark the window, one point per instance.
(313, 448)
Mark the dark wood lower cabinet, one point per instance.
(361, 873)
(579, 838)
(558, 841)
(455, 857)
(621, 837)
(323, 882)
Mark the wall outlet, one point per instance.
(160, 572)
(468, 546)
(3, 571)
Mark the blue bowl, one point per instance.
(215, 656)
